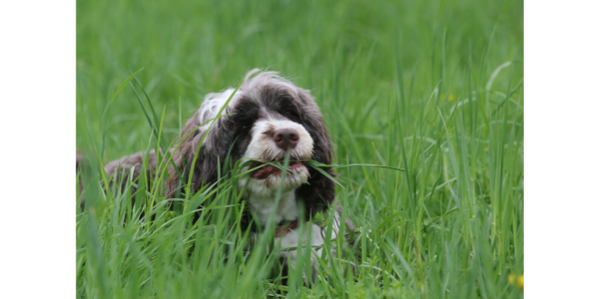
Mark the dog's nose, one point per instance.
(286, 138)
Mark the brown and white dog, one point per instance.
(266, 117)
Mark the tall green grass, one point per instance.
(434, 88)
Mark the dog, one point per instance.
(267, 117)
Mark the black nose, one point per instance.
(286, 138)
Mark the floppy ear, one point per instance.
(319, 193)
(313, 122)
(205, 170)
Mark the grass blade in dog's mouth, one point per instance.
(270, 169)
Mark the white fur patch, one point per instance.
(213, 102)
(297, 238)
(262, 201)
(260, 146)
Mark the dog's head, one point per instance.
(267, 117)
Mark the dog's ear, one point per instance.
(312, 120)
(319, 193)
(205, 169)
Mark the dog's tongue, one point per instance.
(264, 172)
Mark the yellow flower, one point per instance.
(449, 96)
(519, 281)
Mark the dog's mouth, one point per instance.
(266, 170)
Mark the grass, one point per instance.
(431, 87)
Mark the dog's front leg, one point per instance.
(297, 239)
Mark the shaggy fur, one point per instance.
(258, 97)
(264, 106)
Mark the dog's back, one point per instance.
(122, 170)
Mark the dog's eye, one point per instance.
(244, 127)
(287, 112)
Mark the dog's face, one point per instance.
(267, 117)
(268, 139)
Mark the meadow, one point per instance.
(431, 89)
